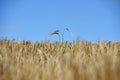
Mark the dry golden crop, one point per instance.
(59, 61)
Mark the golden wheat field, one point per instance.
(77, 60)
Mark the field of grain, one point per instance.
(78, 60)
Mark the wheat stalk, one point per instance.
(60, 34)
(55, 32)
(67, 29)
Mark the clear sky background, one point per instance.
(33, 20)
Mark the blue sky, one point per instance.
(33, 20)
